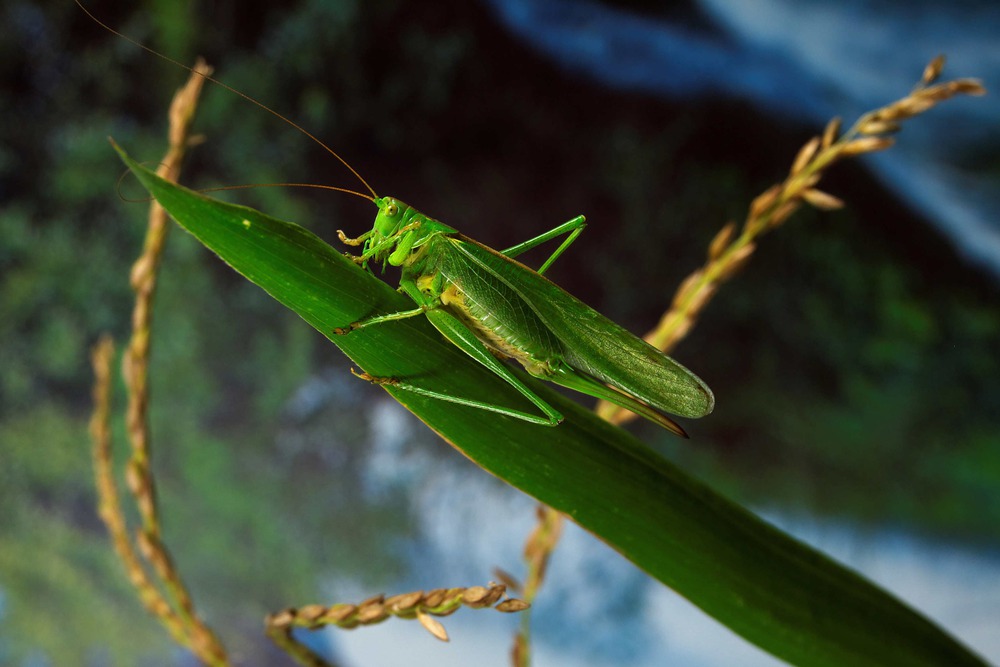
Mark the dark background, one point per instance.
(854, 361)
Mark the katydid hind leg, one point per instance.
(489, 407)
(463, 338)
(572, 379)
(572, 227)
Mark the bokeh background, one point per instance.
(855, 361)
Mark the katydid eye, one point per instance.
(391, 210)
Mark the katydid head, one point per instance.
(393, 215)
(399, 232)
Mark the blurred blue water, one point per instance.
(812, 60)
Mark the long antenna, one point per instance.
(317, 186)
(244, 96)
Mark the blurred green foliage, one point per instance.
(854, 360)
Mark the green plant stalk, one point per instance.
(776, 592)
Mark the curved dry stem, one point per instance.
(174, 609)
(538, 550)
(109, 507)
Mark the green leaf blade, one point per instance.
(771, 589)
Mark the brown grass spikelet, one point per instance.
(917, 103)
(475, 595)
(764, 201)
(878, 127)
(400, 604)
(686, 291)
(511, 605)
(507, 579)
(933, 70)
(831, 133)
(804, 181)
(782, 213)
(739, 259)
(478, 597)
(867, 145)
(281, 619)
(435, 597)
(701, 297)
(822, 200)
(372, 611)
(721, 241)
(432, 625)
(972, 87)
(311, 612)
(338, 612)
(806, 154)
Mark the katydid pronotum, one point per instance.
(493, 307)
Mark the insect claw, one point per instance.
(374, 380)
(343, 331)
(346, 240)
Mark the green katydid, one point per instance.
(489, 305)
